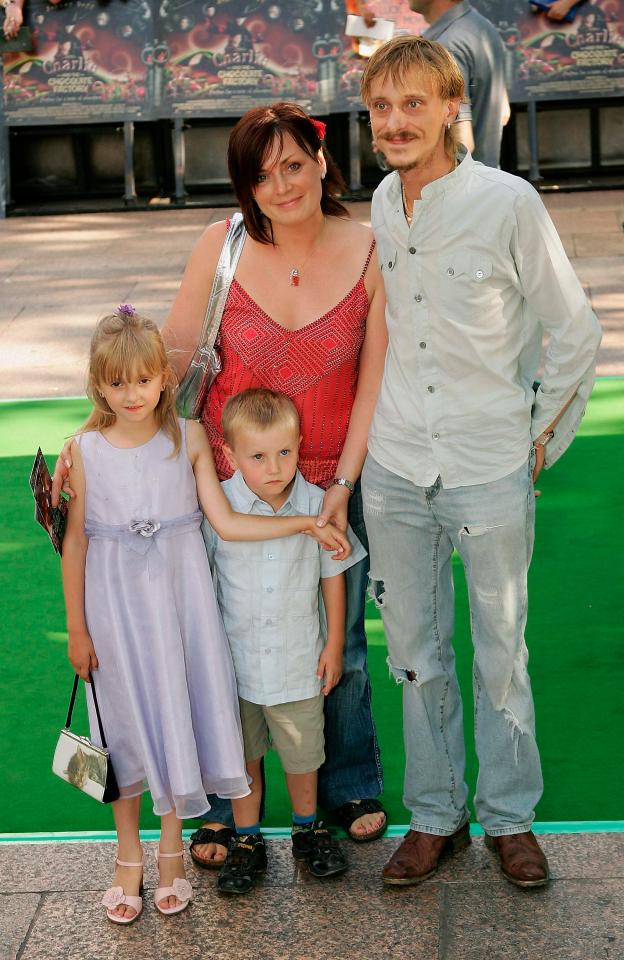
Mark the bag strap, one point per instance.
(224, 274)
(97, 709)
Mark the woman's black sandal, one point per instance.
(207, 835)
(317, 847)
(245, 860)
(348, 813)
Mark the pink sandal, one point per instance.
(115, 896)
(181, 889)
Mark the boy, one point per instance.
(287, 655)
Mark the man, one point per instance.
(478, 49)
(474, 273)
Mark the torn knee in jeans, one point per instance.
(476, 529)
(377, 592)
(401, 674)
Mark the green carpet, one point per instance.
(574, 636)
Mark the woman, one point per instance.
(304, 316)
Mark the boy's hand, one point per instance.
(330, 666)
(82, 654)
(60, 478)
(330, 538)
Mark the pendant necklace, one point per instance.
(408, 216)
(294, 276)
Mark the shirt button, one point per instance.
(479, 274)
(269, 622)
(451, 272)
(435, 436)
(412, 249)
(269, 589)
(418, 297)
(270, 556)
(422, 345)
(267, 650)
(431, 389)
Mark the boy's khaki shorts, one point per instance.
(295, 730)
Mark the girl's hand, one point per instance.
(60, 479)
(82, 654)
(335, 507)
(330, 667)
(330, 538)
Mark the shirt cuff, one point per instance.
(546, 409)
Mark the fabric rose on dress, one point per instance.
(146, 528)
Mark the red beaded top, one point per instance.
(316, 366)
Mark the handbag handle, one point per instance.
(97, 709)
(224, 274)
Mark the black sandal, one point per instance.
(224, 836)
(317, 847)
(245, 860)
(348, 813)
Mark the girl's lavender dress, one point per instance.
(165, 683)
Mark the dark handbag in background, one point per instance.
(205, 363)
(22, 42)
(80, 762)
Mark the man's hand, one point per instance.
(540, 454)
(330, 666)
(559, 9)
(13, 19)
(82, 654)
(60, 478)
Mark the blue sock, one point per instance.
(302, 823)
(247, 831)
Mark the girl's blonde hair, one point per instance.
(124, 344)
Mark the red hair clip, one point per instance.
(320, 127)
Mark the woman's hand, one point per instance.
(81, 653)
(60, 479)
(13, 19)
(335, 507)
(330, 538)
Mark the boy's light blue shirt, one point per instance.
(268, 592)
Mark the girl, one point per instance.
(140, 604)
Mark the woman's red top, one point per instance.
(317, 367)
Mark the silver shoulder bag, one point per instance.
(205, 363)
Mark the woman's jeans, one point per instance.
(413, 531)
(352, 768)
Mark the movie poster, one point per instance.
(92, 61)
(229, 55)
(549, 60)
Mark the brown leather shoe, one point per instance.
(418, 856)
(521, 858)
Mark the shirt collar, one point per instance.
(454, 13)
(298, 499)
(445, 184)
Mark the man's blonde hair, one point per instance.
(397, 57)
(257, 408)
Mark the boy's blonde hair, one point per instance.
(398, 56)
(124, 344)
(258, 408)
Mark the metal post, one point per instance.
(534, 170)
(5, 166)
(179, 158)
(355, 166)
(130, 195)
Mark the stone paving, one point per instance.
(57, 275)
(50, 909)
